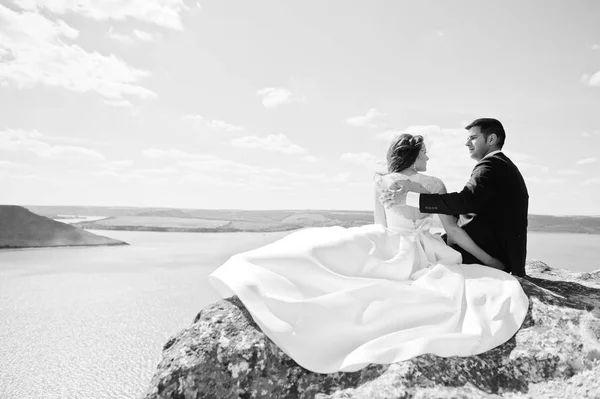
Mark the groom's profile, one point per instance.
(493, 204)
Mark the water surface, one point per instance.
(90, 322)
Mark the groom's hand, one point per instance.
(390, 198)
(496, 264)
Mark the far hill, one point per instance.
(20, 228)
(233, 220)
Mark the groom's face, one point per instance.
(477, 144)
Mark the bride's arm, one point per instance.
(460, 237)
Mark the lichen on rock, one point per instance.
(555, 354)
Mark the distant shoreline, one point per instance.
(231, 221)
(16, 247)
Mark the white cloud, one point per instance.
(591, 134)
(586, 161)
(211, 169)
(525, 166)
(193, 118)
(273, 142)
(595, 46)
(157, 172)
(388, 135)
(124, 177)
(220, 125)
(118, 103)
(592, 80)
(119, 37)
(12, 165)
(589, 182)
(213, 124)
(166, 13)
(363, 159)
(365, 120)
(40, 53)
(341, 177)
(143, 36)
(22, 141)
(119, 164)
(153, 176)
(568, 172)
(273, 97)
(541, 180)
(171, 154)
(310, 158)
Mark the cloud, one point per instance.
(22, 141)
(586, 161)
(12, 165)
(273, 142)
(589, 182)
(592, 80)
(388, 135)
(193, 118)
(37, 52)
(341, 177)
(541, 180)
(118, 103)
(309, 158)
(363, 159)
(591, 134)
(568, 172)
(118, 36)
(526, 166)
(157, 153)
(165, 13)
(595, 46)
(143, 36)
(211, 169)
(220, 125)
(365, 120)
(213, 124)
(273, 97)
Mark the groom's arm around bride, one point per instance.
(494, 203)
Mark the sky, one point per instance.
(290, 105)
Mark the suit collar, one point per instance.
(491, 153)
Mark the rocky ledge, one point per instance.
(555, 354)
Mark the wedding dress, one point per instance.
(338, 299)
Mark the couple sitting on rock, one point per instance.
(338, 299)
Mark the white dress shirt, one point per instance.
(412, 199)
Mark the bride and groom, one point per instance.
(338, 299)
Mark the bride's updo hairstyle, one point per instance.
(403, 152)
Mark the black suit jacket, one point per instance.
(493, 211)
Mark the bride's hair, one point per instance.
(403, 152)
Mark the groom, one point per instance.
(492, 206)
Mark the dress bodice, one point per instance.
(403, 217)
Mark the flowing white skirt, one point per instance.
(337, 299)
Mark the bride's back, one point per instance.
(404, 215)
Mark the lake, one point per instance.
(90, 322)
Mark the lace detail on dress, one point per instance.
(431, 183)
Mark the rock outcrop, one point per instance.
(555, 354)
(21, 228)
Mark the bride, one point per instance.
(338, 299)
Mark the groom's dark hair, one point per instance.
(489, 126)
